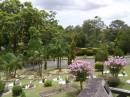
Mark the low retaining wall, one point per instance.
(96, 88)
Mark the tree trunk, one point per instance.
(15, 43)
(15, 73)
(81, 85)
(41, 69)
(45, 64)
(58, 63)
(32, 63)
(69, 60)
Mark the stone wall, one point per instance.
(96, 88)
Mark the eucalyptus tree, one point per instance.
(115, 29)
(93, 28)
(123, 41)
(115, 33)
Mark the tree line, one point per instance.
(32, 36)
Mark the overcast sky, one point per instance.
(74, 12)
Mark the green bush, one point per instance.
(99, 66)
(81, 51)
(114, 82)
(2, 86)
(23, 94)
(48, 83)
(86, 51)
(17, 91)
(101, 55)
(90, 52)
(118, 52)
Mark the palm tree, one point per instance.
(11, 63)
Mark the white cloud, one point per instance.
(74, 12)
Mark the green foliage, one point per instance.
(2, 86)
(101, 55)
(23, 94)
(118, 52)
(99, 66)
(124, 39)
(48, 83)
(67, 80)
(10, 63)
(86, 51)
(113, 82)
(17, 91)
(81, 76)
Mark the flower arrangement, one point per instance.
(81, 69)
(115, 65)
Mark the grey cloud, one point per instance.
(118, 15)
(92, 5)
(66, 5)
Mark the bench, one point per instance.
(120, 92)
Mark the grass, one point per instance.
(123, 84)
(40, 87)
(73, 93)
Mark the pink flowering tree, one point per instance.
(115, 65)
(81, 69)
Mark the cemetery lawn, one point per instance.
(40, 88)
(123, 84)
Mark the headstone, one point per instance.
(17, 82)
(128, 81)
(96, 88)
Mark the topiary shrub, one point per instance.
(86, 51)
(99, 66)
(2, 86)
(17, 91)
(48, 83)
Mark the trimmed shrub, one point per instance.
(90, 52)
(99, 66)
(113, 82)
(2, 86)
(101, 55)
(17, 91)
(86, 51)
(81, 51)
(48, 83)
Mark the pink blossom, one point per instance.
(80, 65)
(116, 61)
